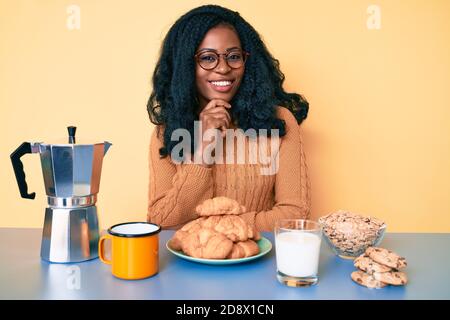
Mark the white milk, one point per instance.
(297, 253)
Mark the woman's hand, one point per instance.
(214, 116)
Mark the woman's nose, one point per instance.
(223, 66)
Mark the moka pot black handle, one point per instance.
(23, 149)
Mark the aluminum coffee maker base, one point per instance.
(70, 235)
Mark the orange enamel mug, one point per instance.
(134, 250)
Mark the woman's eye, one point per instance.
(208, 58)
(234, 57)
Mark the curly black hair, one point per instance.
(173, 102)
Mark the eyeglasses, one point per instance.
(208, 60)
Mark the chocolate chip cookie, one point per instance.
(367, 280)
(366, 264)
(396, 278)
(386, 257)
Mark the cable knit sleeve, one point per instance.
(292, 187)
(175, 189)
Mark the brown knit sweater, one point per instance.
(176, 189)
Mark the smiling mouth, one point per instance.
(222, 85)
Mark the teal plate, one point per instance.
(264, 247)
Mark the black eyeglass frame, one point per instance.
(245, 55)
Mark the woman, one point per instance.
(215, 73)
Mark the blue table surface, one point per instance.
(23, 275)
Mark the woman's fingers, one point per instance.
(215, 116)
(218, 111)
(216, 102)
(216, 123)
(221, 115)
(224, 118)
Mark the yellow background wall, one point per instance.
(378, 133)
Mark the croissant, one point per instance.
(243, 249)
(233, 227)
(253, 233)
(213, 221)
(219, 233)
(237, 252)
(207, 244)
(188, 228)
(250, 248)
(219, 206)
(177, 240)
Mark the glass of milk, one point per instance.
(297, 248)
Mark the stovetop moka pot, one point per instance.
(71, 172)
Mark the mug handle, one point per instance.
(101, 248)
